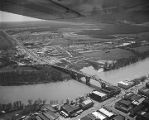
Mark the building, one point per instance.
(88, 117)
(106, 112)
(111, 90)
(86, 104)
(135, 110)
(144, 91)
(135, 99)
(98, 95)
(41, 116)
(70, 109)
(138, 102)
(123, 105)
(126, 84)
(99, 116)
(51, 116)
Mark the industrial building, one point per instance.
(99, 116)
(51, 116)
(70, 110)
(102, 114)
(110, 90)
(98, 95)
(94, 116)
(126, 84)
(106, 112)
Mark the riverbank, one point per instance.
(15, 75)
(128, 72)
(126, 61)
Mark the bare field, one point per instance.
(113, 54)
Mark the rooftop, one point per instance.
(106, 112)
(99, 93)
(99, 115)
(88, 101)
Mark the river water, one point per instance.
(70, 89)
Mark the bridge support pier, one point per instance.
(88, 80)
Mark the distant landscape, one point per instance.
(72, 45)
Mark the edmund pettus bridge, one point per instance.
(77, 75)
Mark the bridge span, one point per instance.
(77, 75)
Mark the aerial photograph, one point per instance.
(74, 59)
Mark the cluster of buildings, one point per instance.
(67, 110)
(135, 105)
(73, 109)
(128, 84)
(104, 93)
(102, 114)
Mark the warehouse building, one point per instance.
(99, 116)
(98, 96)
(126, 84)
(70, 110)
(106, 112)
